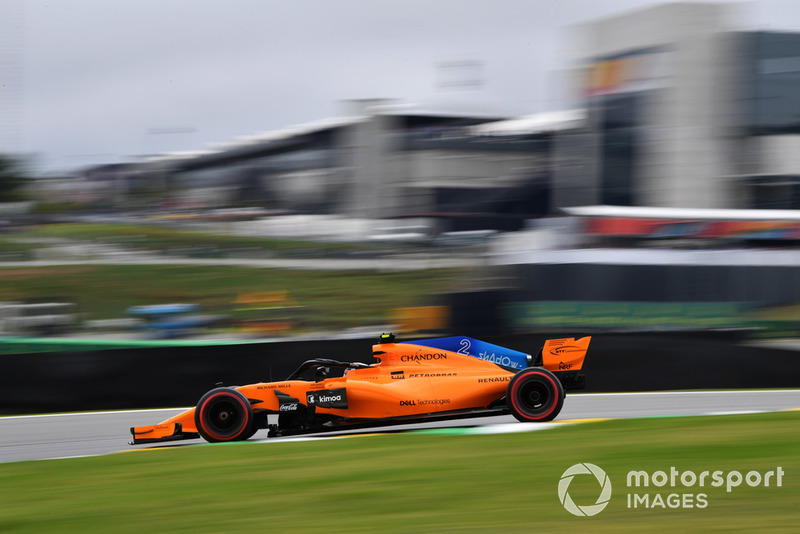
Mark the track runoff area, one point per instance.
(52, 436)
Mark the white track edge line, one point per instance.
(581, 395)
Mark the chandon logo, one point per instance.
(418, 357)
(584, 469)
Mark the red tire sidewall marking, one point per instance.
(515, 387)
(203, 414)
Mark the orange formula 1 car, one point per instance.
(435, 378)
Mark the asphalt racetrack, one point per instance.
(40, 437)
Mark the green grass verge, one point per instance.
(160, 238)
(415, 483)
(13, 249)
(331, 299)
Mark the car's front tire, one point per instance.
(224, 414)
(534, 395)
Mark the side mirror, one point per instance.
(321, 373)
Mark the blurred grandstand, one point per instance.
(670, 112)
(678, 138)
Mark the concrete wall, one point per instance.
(368, 146)
(383, 179)
(779, 154)
(681, 152)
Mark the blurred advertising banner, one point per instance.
(626, 315)
(640, 70)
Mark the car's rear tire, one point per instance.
(534, 395)
(224, 414)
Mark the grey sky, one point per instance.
(98, 77)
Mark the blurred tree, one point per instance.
(12, 177)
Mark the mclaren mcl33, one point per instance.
(433, 378)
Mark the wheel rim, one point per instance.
(534, 396)
(223, 416)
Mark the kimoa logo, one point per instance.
(584, 469)
(327, 398)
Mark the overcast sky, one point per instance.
(98, 81)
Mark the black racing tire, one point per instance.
(535, 395)
(224, 414)
(259, 422)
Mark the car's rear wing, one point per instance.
(565, 354)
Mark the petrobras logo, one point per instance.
(590, 509)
